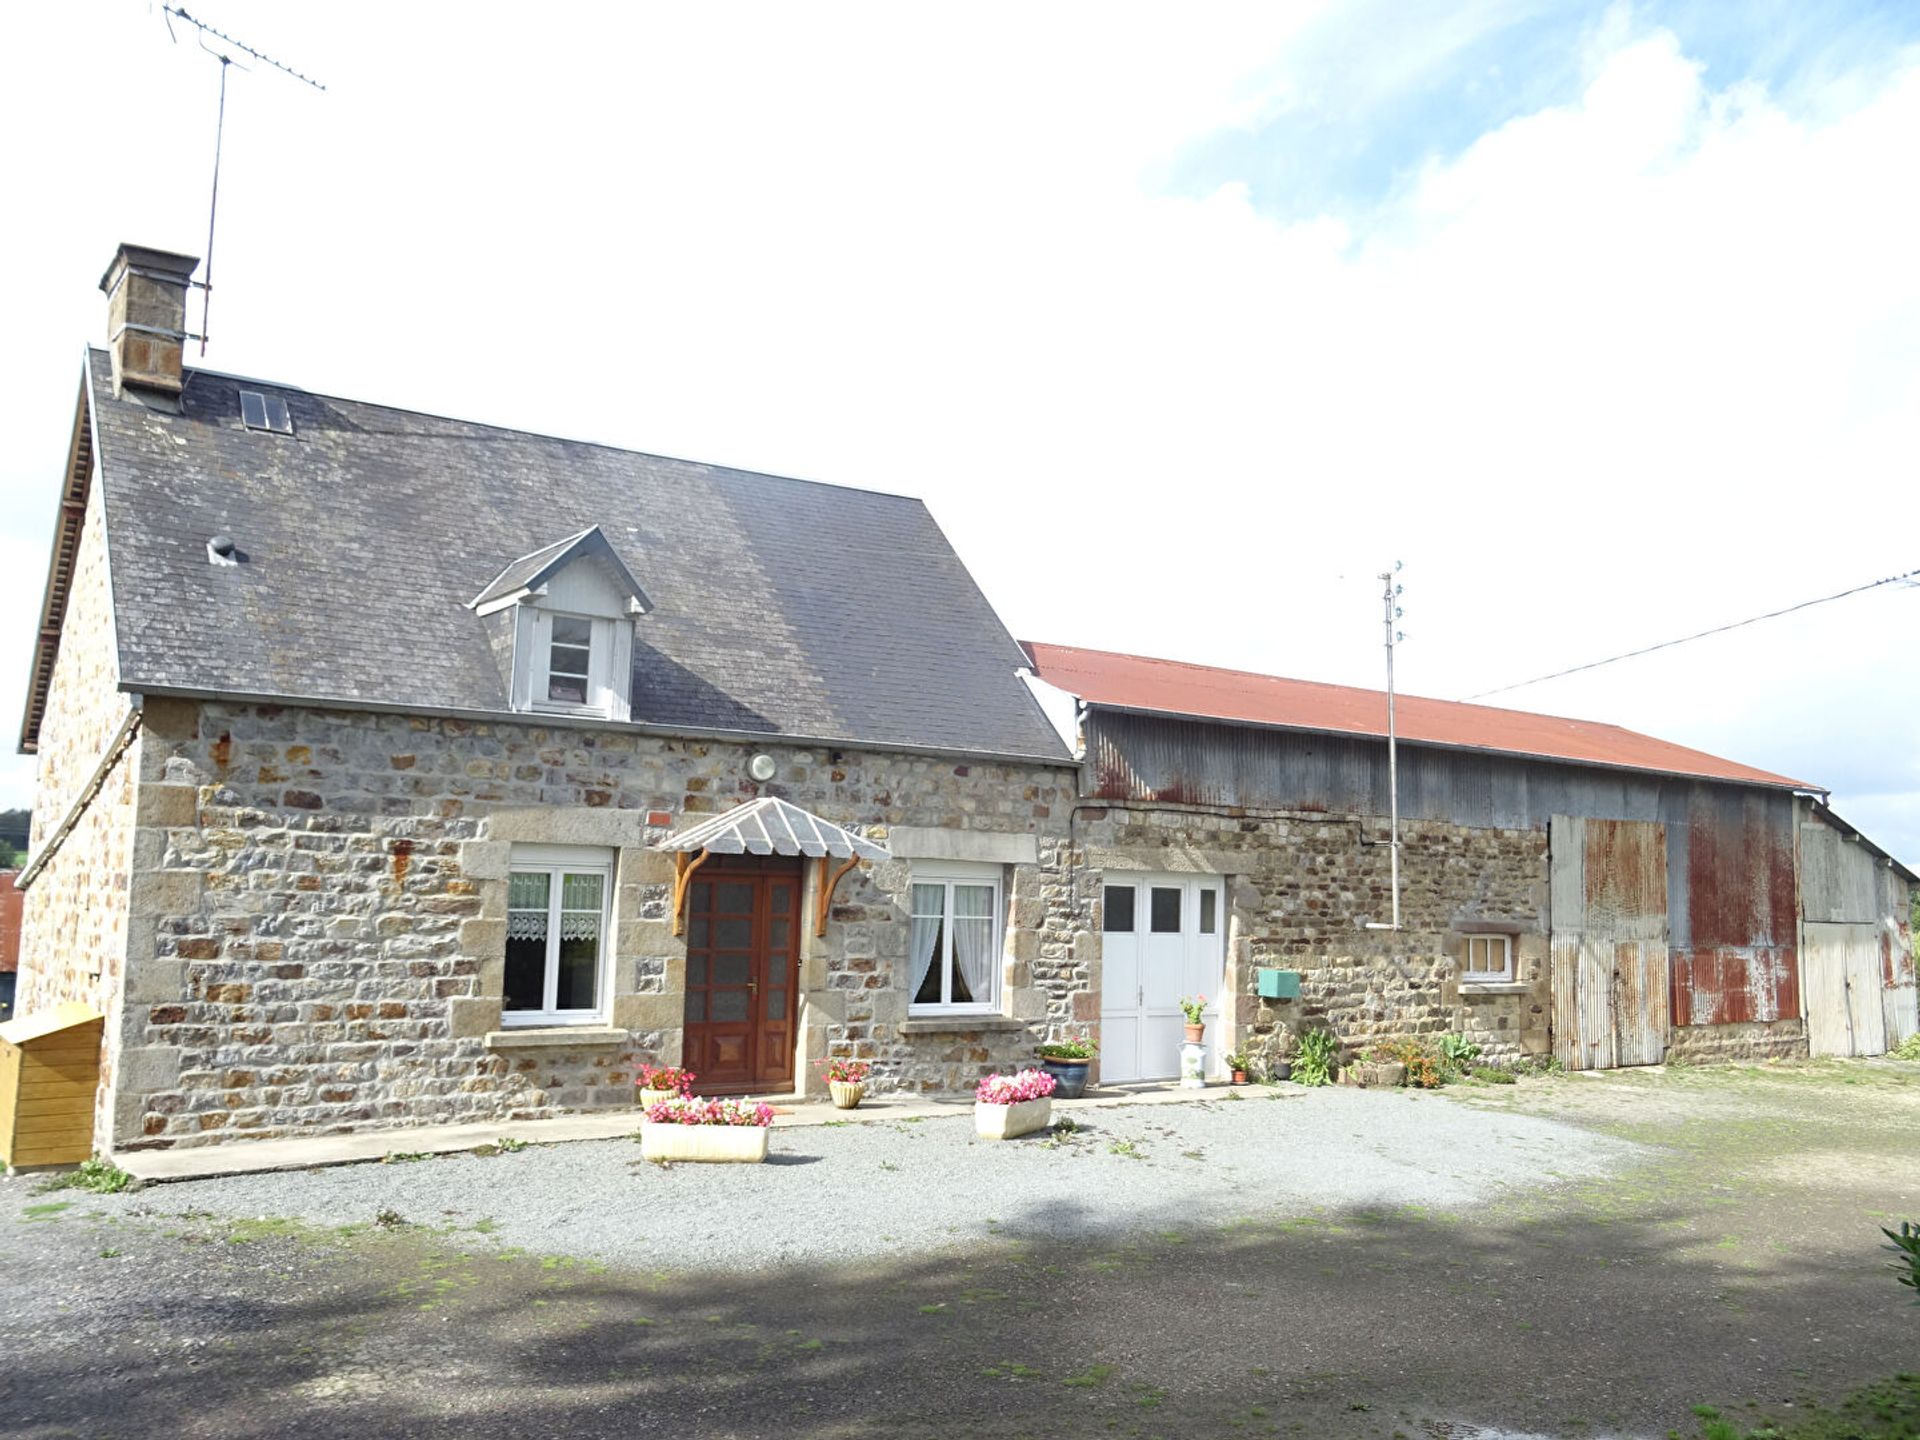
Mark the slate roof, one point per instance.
(1173, 687)
(782, 607)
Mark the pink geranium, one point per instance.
(851, 1072)
(667, 1077)
(1012, 1089)
(691, 1110)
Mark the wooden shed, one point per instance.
(49, 1071)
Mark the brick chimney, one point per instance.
(147, 317)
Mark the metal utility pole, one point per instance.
(1389, 593)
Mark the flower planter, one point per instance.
(651, 1098)
(721, 1144)
(847, 1094)
(1069, 1077)
(1282, 1070)
(1003, 1122)
(1239, 1077)
(1196, 1033)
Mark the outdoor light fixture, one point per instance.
(761, 767)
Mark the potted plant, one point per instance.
(663, 1082)
(1008, 1105)
(1378, 1069)
(1068, 1062)
(847, 1082)
(1236, 1064)
(689, 1128)
(1194, 1007)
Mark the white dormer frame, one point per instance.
(578, 585)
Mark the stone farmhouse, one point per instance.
(396, 769)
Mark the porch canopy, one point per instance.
(769, 826)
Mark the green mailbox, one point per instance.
(1279, 984)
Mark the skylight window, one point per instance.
(265, 412)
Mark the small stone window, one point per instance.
(953, 942)
(558, 900)
(1486, 960)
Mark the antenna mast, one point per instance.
(219, 131)
(1390, 590)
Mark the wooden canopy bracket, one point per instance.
(827, 887)
(683, 866)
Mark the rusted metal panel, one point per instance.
(1838, 879)
(1735, 953)
(1608, 886)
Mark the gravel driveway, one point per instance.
(861, 1190)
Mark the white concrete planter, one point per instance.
(722, 1144)
(1003, 1122)
(651, 1098)
(847, 1094)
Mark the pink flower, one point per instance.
(691, 1110)
(999, 1089)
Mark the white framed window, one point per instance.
(572, 659)
(558, 902)
(953, 941)
(1486, 960)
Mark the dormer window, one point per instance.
(561, 618)
(575, 649)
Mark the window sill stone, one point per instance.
(555, 1037)
(1502, 987)
(954, 1024)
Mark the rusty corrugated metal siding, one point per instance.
(1739, 960)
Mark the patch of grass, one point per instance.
(934, 1309)
(1494, 1075)
(485, 1226)
(101, 1176)
(109, 1254)
(390, 1219)
(1090, 1378)
(1887, 1411)
(47, 1211)
(402, 1157)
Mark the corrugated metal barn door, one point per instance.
(1610, 961)
(1846, 1013)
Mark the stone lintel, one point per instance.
(557, 1037)
(989, 847)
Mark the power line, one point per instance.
(1908, 578)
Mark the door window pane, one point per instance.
(1165, 910)
(1209, 905)
(732, 934)
(1117, 910)
(732, 969)
(776, 1005)
(728, 1005)
(733, 899)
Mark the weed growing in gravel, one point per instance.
(888, 1165)
(103, 1177)
(47, 1211)
(1129, 1148)
(505, 1145)
(390, 1219)
(1067, 1125)
(1090, 1378)
(402, 1157)
(109, 1254)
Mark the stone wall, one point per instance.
(1303, 886)
(74, 923)
(322, 923)
(1758, 1040)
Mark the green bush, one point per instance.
(1907, 1049)
(1314, 1064)
(1906, 1247)
(1494, 1075)
(101, 1176)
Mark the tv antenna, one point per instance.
(205, 31)
(1390, 591)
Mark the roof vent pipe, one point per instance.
(222, 551)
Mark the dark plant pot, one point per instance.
(1069, 1077)
(1283, 1069)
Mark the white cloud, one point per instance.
(1626, 366)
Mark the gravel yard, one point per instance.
(918, 1185)
(1582, 1259)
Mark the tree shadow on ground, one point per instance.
(1356, 1323)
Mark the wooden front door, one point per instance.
(743, 973)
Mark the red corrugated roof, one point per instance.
(1173, 687)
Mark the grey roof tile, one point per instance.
(778, 606)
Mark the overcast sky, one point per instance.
(1185, 320)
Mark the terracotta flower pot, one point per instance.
(1239, 1077)
(1196, 1033)
(847, 1094)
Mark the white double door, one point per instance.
(1163, 937)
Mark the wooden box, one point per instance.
(49, 1071)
